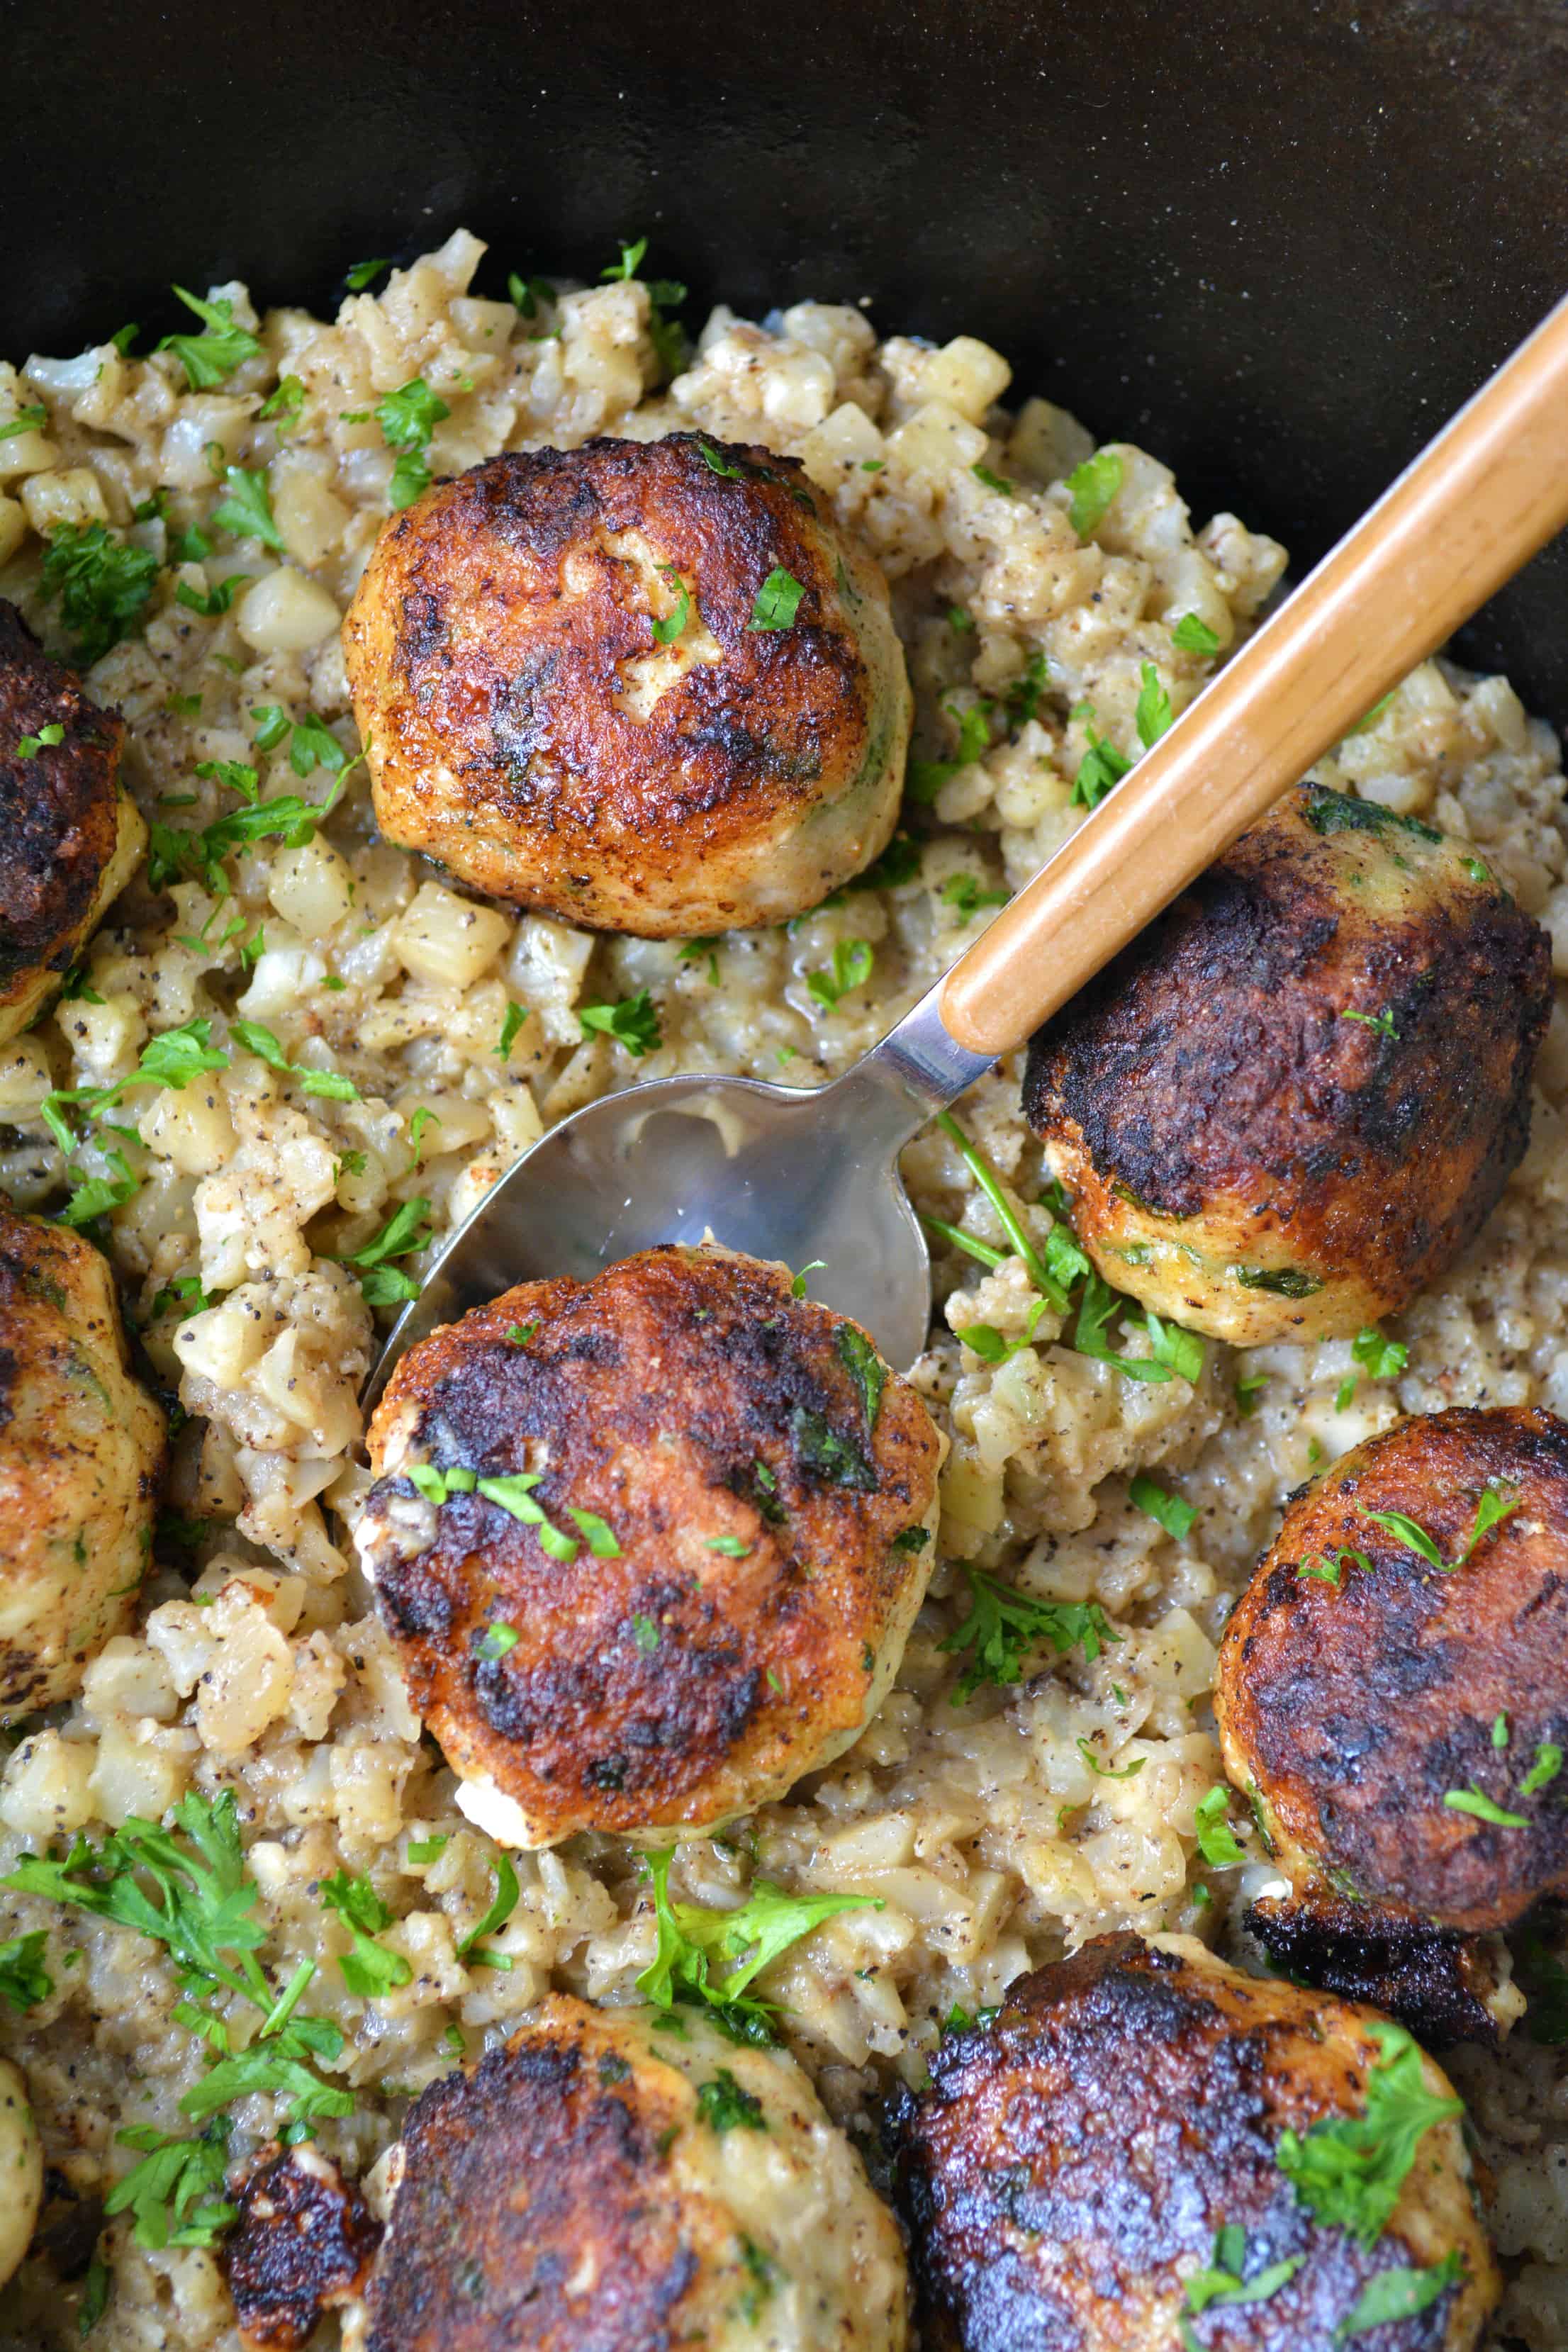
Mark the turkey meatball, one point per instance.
(1123, 2127)
(69, 837)
(21, 2170)
(649, 1546)
(1297, 1096)
(648, 686)
(597, 2185)
(1404, 1724)
(81, 1459)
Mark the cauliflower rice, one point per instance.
(992, 1842)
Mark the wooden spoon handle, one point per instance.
(1478, 502)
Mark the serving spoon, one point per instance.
(811, 1177)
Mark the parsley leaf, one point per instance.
(597, 1533)
(26, 420)
(1153, 715)
(214, 600)
(864, 1367)
(1109, 1771)
(503, 1902)
(821, 1449)
(1168, 1510)
(30, 746)
(850, 969)
(404, 1232)
(357, 278)
(176, 2190)
(24, 1978)
(101, 583)
(1492, 1510)
(256, 1038)
(925, 778)
(1004, 1624)
(706, 1956)
(369, 1970)
(1224, 2280)
(1217, 1842)
(963, 894)
(1193, 636)
(1397, 2294)
(1482, 1808)
(1012, 1224)
(286, 401)
(633, 1022)
(778, 600)
(211, 357)
(665, 631)
(498, 1641)
(1548, 1764)
(1101, 767)
(526, 294)
(247, 511)
(1092, 488)
(1382, 1359)
(724, 2105)
(407, 417)
(992, 481)
(1349, 2170)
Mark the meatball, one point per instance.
(1403, 1725)
(303, 2245)
(646, 687)
(81, 1459)
(74, 836)
(1071, 2165)
(1297, 1096)
(21, 2170)
(650, 1545)
(597, 2185)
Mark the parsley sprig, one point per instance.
(1349, 2170)
(712, 1958)
(407, 417)
(24, 1979)
(211, 357)
(1003, 1626)
(633, 1022)
(101, 585)
(1491, 1509)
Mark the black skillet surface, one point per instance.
(1275, 241)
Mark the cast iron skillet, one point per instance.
(1274, 241)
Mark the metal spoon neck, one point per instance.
(915, 1071)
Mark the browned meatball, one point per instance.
(1070, 2165)
(647, 686)
(706, 1588)
(303, 2245)
(596, 2185)
(1297, 1096)
(81, 1462)
(69, 838)
(1358, 1697)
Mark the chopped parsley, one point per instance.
(1381, 1359)
(286, 401)
(503, 1902)
(498, 1640)
(1101, 767)
(212, 602)
(1349, 2170)
(1548, 1764)
(1382, 1022)
(597, 1533)
(172, 1058)
(992, 481)
(30, 746)
(520, 1334)
(821, 1449)
(357, 278)
(1397, 2294)
(1329, 811)
(1332, 1567)
(1168, 1510)
(850, 969)
(1499, 1731)
(369, 1970)
(1482, 1808)
(1217, 1842)
(247, 511)
(645, 1633)
(633, 1022)
(26, 420)
(211, 357)
(407, 417)
(256, 1038)
(527, 295)
(24, 1979)
(963, 894)
(177, 2191)
(725, 2106)
(101, 583)
(732, 1547)
(712, 1958)
(1091, 487)
(674, 622)
(1224, 2280)
(512, 1020)
(1153, 715)
(1193, 636)
(925, 778)
(1109, 1771)
(1492, 1510)
(1282, 1281)
(424, 1850)
(1004, 1624)
(1011, 1223)
(718, 463)
(778, 600)
(405, 1230)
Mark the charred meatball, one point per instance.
(69, 838)
(303, 2245)
(1297, 1096)
(596, 2185)
(646, 687)
(81, 1458)
(1404, 1724)
(649, 1546)
(1076, 2166)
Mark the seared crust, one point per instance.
(1294, 1099)
(525, 725)
(572, 2191)
(303, 2245)
(756, 1606)
(81, 1462)
(1443, 1985)
(1354, 1709)
(69, 838)
(1071, 2164)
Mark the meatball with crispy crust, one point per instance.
(1103, 2164)
(81, 1460)
(1295, 1098)
(302, 2245)
(648, 686)
(1362, 1689)
(596, 2185)
(69, 838)
(649, 1546)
